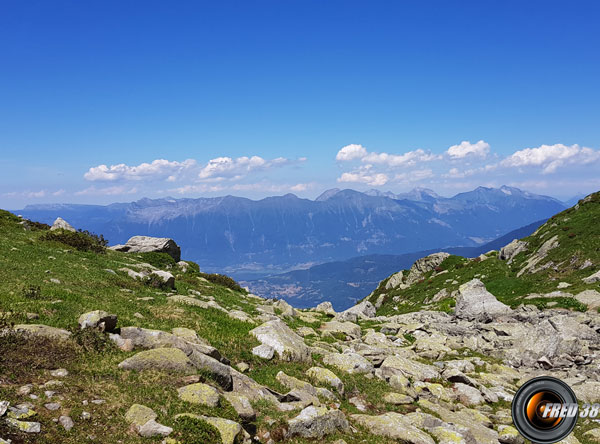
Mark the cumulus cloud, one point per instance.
(466, 148)
(551, 157)
(159, 168)
(351, 152)
(227, 167)
(410, 158)
(364, 175)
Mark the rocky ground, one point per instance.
(113, 348)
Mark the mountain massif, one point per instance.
(248, 238)
(98, 345)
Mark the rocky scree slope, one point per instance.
(96, 349)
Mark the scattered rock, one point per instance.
(325, 308)
(164, 359)
(510, 251)
(139, 414)
(43, 331)
(348, 362)
(593, 278)
(199, 393)
(288, 345)
(66, 422)
(98, 319)
(61, 224)
(152, 428)
(24, 426)
(263, 351)
(475, 302)
(317, 422)
(393, 425)
(325, 376)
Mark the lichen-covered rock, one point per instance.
(264, 351)
(424, 265)
(24, 426)
(286, 309)
(349, 330)
(287, 344)
(467, 395)
(153, 428)
(199, 393)
(44, 331)
(317, 422)
(397, 398)
(170, 360)
(364, 310)
(510, 435)
(395, 280)
(146, 244)
(98, 319)
(242, 406)
(475, 302)
(139, 414)
(393, 425)
(409, 368)
(349, 362)
(324, 376)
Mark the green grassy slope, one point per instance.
(577, 231)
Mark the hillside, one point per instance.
(545, 269)
(247, 238)
(195, 357)
(343, 283)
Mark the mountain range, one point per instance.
(252, 238)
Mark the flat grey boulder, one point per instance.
(43, 331)
(147, 244)
(287, 344)
(171, 360)
(349, 362)
(593, 278)
(591, 298)
(317, 422)
(409, 368)
(325, 308)
(61, 224)
(475, 302)
(393, 425)
(167, 278)
(98, 319)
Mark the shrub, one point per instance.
(32, 292)
(158, 260)
(80, 240)
(571, 235)
(223, 280)
(195, 431)
(91, 340)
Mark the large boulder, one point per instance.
(61, 224)
(147, 244)
(199, 393)
(475, 302)
(364, 310)
(325, 376)
(316, 422)
(230, 431)
(592, 279)
(395, 280)
(288, 345)
(325, 308)
(347, 330)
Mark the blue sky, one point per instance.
(113, 101)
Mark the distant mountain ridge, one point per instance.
(241, 236)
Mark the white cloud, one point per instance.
(409, 158)
(106, 191)
(466, 148)
(59, 192)
(551, 157)
(364, 176)
(351, 152)
(158, 168)
(227, 167)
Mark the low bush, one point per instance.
(32, 292)
(223, 280)
(195, 431)
(158, 260)
(155, 281)
(91, 340)
(80, 240)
